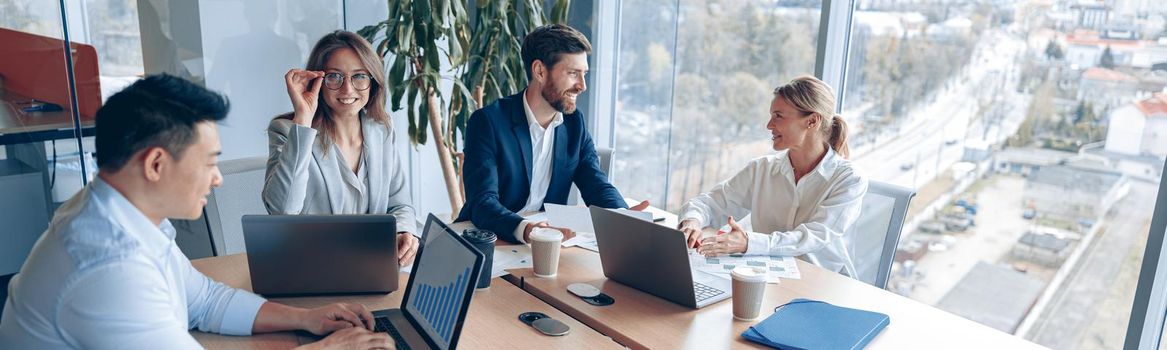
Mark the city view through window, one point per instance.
(1032, 133)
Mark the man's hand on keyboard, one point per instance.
(355, 338)
(330, 318)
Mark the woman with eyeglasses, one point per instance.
(334, 154)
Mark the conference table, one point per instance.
(639, 320)
(491, 323)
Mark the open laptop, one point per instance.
(438, 295)
(291, 255)
(654, 259)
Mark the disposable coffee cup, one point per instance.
(482, 240)
(749, 288)
(545, 244)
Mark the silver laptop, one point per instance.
(291, 255)
(438, 295)
(654, 259)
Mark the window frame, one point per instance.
(1149, 309)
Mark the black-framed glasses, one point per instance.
(360, 81)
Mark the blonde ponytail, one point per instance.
(838, 138)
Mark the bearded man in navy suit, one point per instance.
(528, 149)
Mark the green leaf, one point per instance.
(439, 16)
(369, 32)
(433, 59)
(456, 53)
(404, 39)
(463, 90)
(415, 133)
(423, 117)
(394, 11)
(457, 103)
(460, 11)
(397, 81)
(559, 11)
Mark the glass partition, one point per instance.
(37, 122)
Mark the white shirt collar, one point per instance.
(531, 121)
(124, 213)
(825, 168)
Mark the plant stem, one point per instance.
(448, 173)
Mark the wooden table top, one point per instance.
(492, 321)
(643, 321)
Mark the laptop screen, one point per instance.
(442, 279)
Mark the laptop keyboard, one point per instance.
(705, 292)
(383, 325)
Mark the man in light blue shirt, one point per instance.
(107, 273)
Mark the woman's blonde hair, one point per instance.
(317, 60)
(810, 95)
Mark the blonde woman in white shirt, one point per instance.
(802, 199)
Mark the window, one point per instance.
(695, 79)
(1066, 104)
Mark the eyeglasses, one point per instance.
(360, 81)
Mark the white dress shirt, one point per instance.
(806, 219)
(356, 198)
(104, 277)
(542, 147)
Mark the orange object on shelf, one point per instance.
(34, 66)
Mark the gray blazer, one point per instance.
(301, 179)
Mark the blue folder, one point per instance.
(811, 324)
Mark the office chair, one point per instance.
(876, 233)
(605, 155)
(220, 230)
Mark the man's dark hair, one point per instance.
(548, 42)
(157, 111)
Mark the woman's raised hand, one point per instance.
(304, 90)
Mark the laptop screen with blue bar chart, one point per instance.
(442, 283)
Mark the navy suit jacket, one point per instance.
(497, 169)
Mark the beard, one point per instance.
(559, 99)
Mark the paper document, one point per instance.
(576, 218)
(505, 258)
(510, 257)
(776, 267)
(579, 220)
(585, 240)
(536, 216)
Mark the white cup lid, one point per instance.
(749, 274)
(544, 234)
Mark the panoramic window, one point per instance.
(1031, 134)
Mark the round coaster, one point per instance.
(551, 326)
(530, 317)
(583, 290)
(600, 300)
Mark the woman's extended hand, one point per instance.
(692, 231)
(734, 241)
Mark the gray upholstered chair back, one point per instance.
(876, 234)
(605, 155)
(220, 230)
